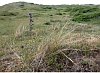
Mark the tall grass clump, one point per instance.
(52, 43)
(58, 42)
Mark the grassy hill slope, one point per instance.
(63, 37)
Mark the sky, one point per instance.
(53, 2)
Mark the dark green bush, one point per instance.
(59, 13)
(50, 15)
(86, 17)
(31, 3)
(21, 6)
(84, 9)
(47, 7)
(47, 23)
(84, 13)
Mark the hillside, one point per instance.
(64, 38)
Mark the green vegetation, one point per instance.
(56, 30)
(6, 13)
(85, 13)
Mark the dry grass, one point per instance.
(70, 40)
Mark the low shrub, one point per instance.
(59, 13)
(47, 23)
(47, 7)
(84, 13)
(86, 17)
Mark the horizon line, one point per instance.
(49, 4)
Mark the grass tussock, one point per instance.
(58, 41)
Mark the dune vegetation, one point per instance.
(64, 38)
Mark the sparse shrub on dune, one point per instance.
(59, 13)
(47, 23)
(47, 7)
(85, 13)
(86, 17)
